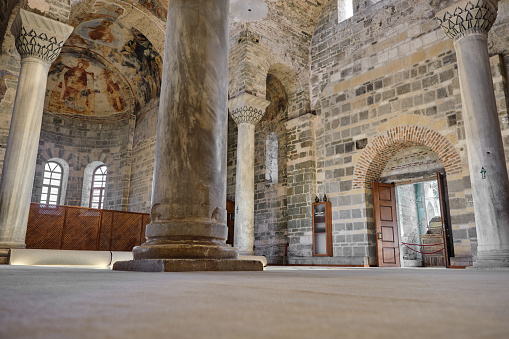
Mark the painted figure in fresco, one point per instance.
(102, 32)
(113, 93)
(140, 55)
(77, 95)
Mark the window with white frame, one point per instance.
(52, 183)
(98, 187)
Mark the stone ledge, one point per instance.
(187, 265)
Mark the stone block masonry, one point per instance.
(386, 83)
(80, 141)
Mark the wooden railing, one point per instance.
(80, 228)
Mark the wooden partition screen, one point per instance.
(80, 228)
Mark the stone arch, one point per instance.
(292, 80)
(286, 75)
(382, 148)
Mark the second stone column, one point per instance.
(246, 110)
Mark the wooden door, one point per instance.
(444, 212)
(230, 221)
(386, 226)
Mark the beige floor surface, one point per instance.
(56, 302)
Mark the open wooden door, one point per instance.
(230, 221)
(444, 212)
(386, 226)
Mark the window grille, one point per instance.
(52, 183)
(98, 187)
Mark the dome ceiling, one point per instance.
(105, 67)
(109, 64)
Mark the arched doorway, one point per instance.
(411, 211)
(406, 167)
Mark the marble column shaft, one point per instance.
(468, 24)
(38, 40)
(187, 230)
(188, 215)
(246, 110)
(244, 190)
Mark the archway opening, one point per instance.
(411, 210)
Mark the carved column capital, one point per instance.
(468, 16)
(39, 37)
(247, 108)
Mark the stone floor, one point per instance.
(51, 302)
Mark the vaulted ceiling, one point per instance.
(112, 62)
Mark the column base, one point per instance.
(185, 250)
(187, 265)
(12, 245)
(496, 259)
(4, 256)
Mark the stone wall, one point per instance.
(58, 10)
(271, 196)
(80, 141)
(412, 162)
(256, 48)
(301, 190)
(144, 149)
(383, 81)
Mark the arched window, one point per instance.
(98, 187)
(345, 9)
(271, 157)
(52, 183)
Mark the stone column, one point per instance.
(188, 228)
(468, 23)
(246, 110)
(38, 41)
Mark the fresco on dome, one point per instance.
(157, 7)
(79, 84)
(103, 49)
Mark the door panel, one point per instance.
(386, 213)
(389, 256)
(444, 211)
(387, 234)
(386, 227)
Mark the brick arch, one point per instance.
(383, 147)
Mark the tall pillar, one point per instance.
(468, 23)
(187, 230)
(246, 110)
(38, 41)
